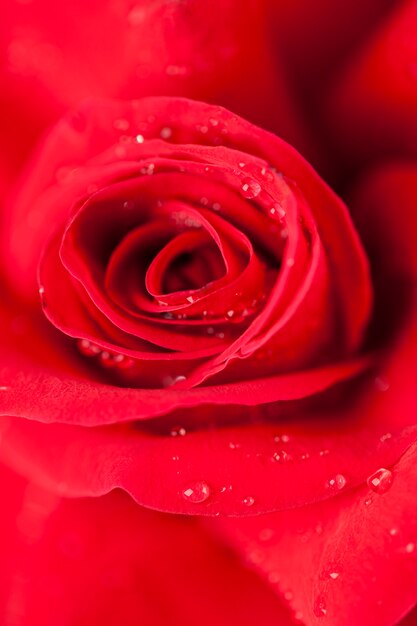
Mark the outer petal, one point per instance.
(125, 49)
(315, 38)
(372, 106)
(108, 562)
(350, 560)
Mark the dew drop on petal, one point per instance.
(122, 362)
(106, 359)
(248, 501)
(166, 132)
(332, 571)
(178, 431)
(337, 482)
(87, 348)
(197, 492)
(380, 481)
(385, 437)
(266, 534)
(273, 577)
(410, 547)
(319, 607)
(250, 188)
(121, 124)
(178, 379)
(140, 138)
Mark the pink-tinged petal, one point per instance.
(373, 102)
(128, 50)
(106, 561)
(349, 560)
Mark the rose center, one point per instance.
(193, 270)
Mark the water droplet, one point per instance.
(277, 211)
(140, 138)
(123, 362)
(166, 132)
(410, 547)
(266, 174)
(324, 452)
(337, 482)
(3, 388)
(230, 313)
(178, 379)
(380, 481)
(121, 124)
(250, 188)
(197, 492)
(281, 456)
(266, 534)
(106, 359)
(248, 501)
(190, 299)
(255, 556)
(385, 437)
(178, 431)
(216, 206)
(87, 348)
(176, 70)
(319, 607)
(393, 531)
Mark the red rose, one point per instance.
(190, 314)
(195, 260)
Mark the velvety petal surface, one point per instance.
(107, 561)
(350, 560)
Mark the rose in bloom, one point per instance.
(189, 313)
(195, 260)
(212, 334)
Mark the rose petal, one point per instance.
(348, 560)
(372, 105)
(108, 561)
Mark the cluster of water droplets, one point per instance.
(106, 358)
